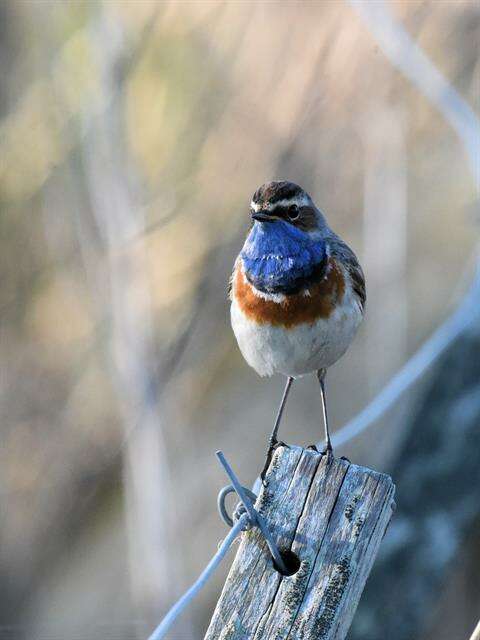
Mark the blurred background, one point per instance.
(133, 134)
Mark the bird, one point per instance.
(297, 294)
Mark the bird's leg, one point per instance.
(321, 373)
(273, 438)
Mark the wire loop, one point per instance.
(254, 516)
(239, 508)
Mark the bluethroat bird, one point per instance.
(297, 291)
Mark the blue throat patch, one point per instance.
(279, 258)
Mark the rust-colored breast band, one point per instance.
(294, 309)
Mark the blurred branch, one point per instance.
(173, 353)
(131, 57)
(125, 301)
(179, 345)
(407, 56)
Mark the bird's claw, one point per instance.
(328, 452)
(271, 450)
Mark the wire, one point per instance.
(189, 595)
(442, 338)
(407, 56)
(476, 633)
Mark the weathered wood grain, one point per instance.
(332, 515)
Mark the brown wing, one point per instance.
(358, 281)
(345, 255)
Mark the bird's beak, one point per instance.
(262, 216)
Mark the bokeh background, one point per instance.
(133, 134)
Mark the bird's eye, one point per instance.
(293, 212)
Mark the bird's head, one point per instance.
(285, 246)
(283, 200)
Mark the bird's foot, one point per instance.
(328, 452)
(271, 450)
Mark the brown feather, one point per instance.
(297, 308)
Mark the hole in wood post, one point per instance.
(291, 561)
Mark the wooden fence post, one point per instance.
(332, 516)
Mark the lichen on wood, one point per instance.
(332, 515)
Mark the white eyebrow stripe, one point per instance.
(300, 201)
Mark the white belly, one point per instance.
(299, 350)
